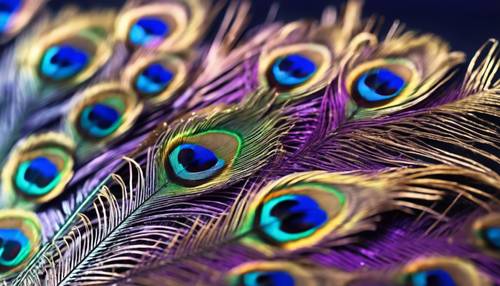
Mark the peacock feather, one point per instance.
(170, 142)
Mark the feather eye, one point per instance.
(295, 69)
(269, 273)
(156, 78)
(20, 238)
(102, 113)
(15, 15)
(39, 168)
(381, 82)
(297, 212)
(70, 54)
(306, 209)
(441, 271)
(194, 160)
(165, 25)
(203, 152)
(487, 233)
(397, 74)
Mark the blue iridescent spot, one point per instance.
(14, 247)
(379, 84)
(37, 176)
(271, 278)
(153, 79)
(8, 9)
(292, 70)
(192, 162)
(61, 62)
(100, 120)
(41, 171)
(148, 31)
(435, 277)
(492, 237)
(291, 217)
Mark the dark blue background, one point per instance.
(465, 24)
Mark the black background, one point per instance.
(465, 24)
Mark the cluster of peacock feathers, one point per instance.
(169, 143)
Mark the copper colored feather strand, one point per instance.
(168, 142)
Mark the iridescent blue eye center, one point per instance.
(41, 172)
(100, 120)
(63, 61)
(103, 116)
(292, 70)
(271, 278)
(379, 84)
(435, 277)
(37, 177)
(14, 247)
(153, 79)
(196, 158)
(189, 164)
(291, 217)
(148, 31)
(492, 237)
(7, 9)
(10, 248)
(299, 214)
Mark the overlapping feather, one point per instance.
(212, 247)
